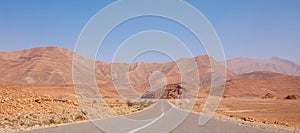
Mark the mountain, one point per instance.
(48, 71)
(262, 84)
(37, 65)
(275, 64)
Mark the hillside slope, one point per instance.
(48, 71)
(245, 65)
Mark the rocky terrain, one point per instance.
(20, 110)
(277, 114)
(262, 85)
(24, 111)
(37, 88)
(170, 91)
(246, 65)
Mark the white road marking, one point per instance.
(150, 123)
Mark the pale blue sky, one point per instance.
(253, 28)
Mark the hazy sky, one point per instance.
(249, 28)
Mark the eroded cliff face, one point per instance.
(170, 91)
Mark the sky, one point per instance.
(257, 29)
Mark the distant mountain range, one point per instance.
(246, 65)
(48, 71)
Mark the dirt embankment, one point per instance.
(269, 111)
(24, 111)
(19, 110)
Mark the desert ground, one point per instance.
(21, 111)
(24, 111)
(38, 90)
(281, 112)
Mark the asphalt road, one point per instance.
(160, 118)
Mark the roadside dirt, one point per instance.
(269, 111)
(24, 111)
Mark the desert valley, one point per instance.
(37, 89)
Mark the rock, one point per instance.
(248, 119)
(268, 96)
(38, 100)
(75, 103)
(69, 101)
(292, 97)
(170, 91)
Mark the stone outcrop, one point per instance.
(170, 91)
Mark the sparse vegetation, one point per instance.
(28, 111)
(129, 103)
(52, 121)
(140, 104)
(123, 107)
(268, 111)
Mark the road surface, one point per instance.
(161, 117)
